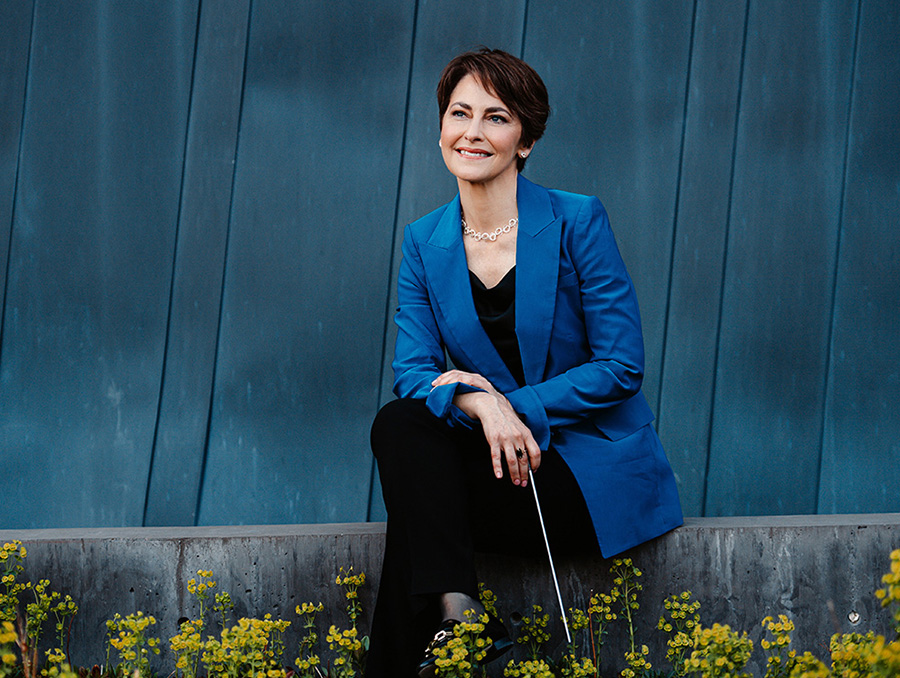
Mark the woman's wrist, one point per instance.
(473, 403)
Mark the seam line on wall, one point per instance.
(15, 191)
(165, 356)
(215, 363)
(524, 29)
(674, 240)
(829, 343)
(715, 366)
(396, 228)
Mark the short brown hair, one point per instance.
(509, 79)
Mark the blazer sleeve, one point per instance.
(614, 370)
(419, 356)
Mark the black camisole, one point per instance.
(496, 308)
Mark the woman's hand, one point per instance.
(504, 431)
(460, 377)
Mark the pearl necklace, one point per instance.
(492, 236)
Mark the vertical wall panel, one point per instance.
(616, 74)
(296, 382)
(199, 264)
(91, 259)
(444, 29)
(781, 257)
(15, 34)
(862, 428)
(699, 256)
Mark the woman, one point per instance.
(524, 289)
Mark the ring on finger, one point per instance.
(519, 453)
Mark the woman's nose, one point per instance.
(473, 131)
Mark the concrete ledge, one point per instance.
(819, 570)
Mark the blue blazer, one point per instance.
(579, 334)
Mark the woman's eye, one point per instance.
(499, 119)
(457, 114)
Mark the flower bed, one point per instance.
(254, 647)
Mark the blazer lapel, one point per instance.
(444, 258)
(537, 273)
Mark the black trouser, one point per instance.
(443, 503)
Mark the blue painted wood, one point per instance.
(785, 211)
(302, 325)
(186, 393)
(425, 182)
(90, 260)
(683, 418)
(862, 430)
(616, 73)
(117, 250)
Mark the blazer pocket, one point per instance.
(621, 421)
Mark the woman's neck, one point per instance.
(486, 206)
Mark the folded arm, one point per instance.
(614, 370)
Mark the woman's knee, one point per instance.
(396, 422)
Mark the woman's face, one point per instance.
(480, 137)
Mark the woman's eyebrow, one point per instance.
(489, 109)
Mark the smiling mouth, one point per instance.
(473, 154)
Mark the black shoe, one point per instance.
(494, 629)
(427, 667)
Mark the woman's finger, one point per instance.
(533, 451)
(514, 466)
(451, 377)
(497, 460)
(460, 377)
(445, 378)
(522, 460)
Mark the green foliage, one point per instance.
(129, 637)
(625, 590)
(347, 644)
(186, 646)
(533, 632)
(890, 594)
(11, 556)
(488, 599)
(809, 666)
(8, 657)
(530, 668)
(780, 659)
(868, 655)
(308, 661)
(25, 625)
(678, 621)
(351, 583)
(571, 666)
(462, 655)
(254, 648)
(251, 647)
(719, 652)
(600, 617)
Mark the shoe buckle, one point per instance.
(439, 638)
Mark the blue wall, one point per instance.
(201, 205)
